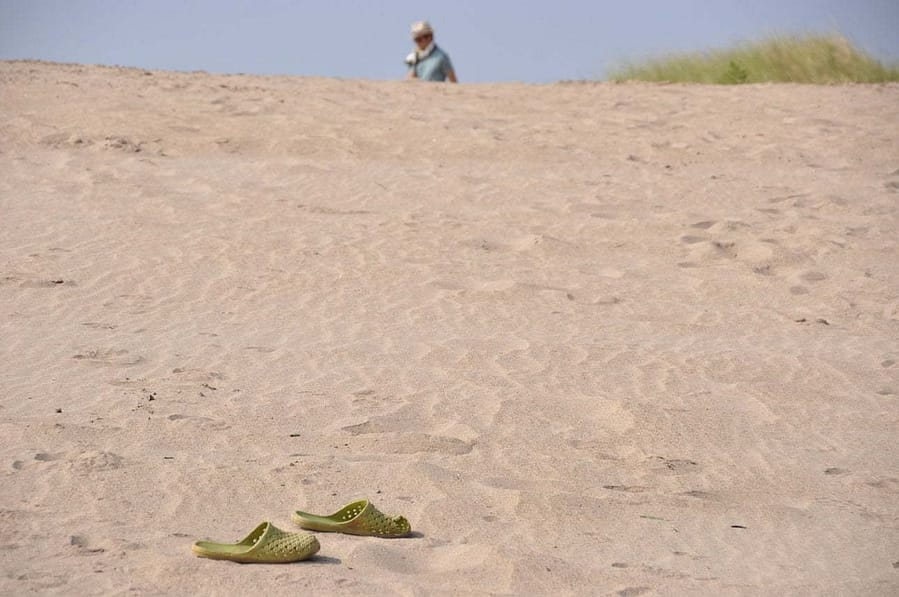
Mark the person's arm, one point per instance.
(448, 69)
(412, 62)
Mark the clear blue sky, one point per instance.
(500, 40)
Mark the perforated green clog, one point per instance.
(358, 518)
(267, 544)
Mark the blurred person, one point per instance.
(428, 62)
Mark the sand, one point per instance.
(589, 338)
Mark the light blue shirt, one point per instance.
(435, 67)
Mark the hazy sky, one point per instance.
(501, 40)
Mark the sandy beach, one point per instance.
(589, 338)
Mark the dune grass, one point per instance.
(823, 59)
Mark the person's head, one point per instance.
(422, 34)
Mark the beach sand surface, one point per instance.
(593, 339)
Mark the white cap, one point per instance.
(421, 28)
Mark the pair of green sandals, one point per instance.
(268, 544)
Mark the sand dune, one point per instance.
(589, 338)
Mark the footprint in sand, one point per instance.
(34, 282)
(99, 326)
(197, 421)
(409, 443)
(415, 443)
(95, 460)
(890, 484)
(262, 349)
(626, 488)
(813, 276)
(134, 304)
(197, 375)
(122, 144)
(108, 357)
(83, 547)
(65, 140)
(701, 495)
(674, 465)
(726, 248)
(633, 591)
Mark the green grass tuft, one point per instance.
(826, 59)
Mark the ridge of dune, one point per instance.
(630, 339)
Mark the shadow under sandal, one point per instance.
(267, 544)
(358, 518)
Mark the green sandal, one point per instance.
(267, 544)
(358, 518)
